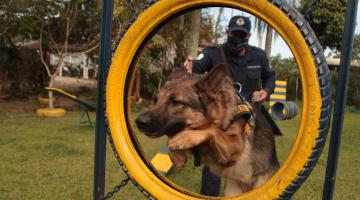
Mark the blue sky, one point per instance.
(279, 46)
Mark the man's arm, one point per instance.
(267, 76)
(198, 66)
(267, 80)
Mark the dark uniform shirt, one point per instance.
(251, 70)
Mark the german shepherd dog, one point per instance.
(198, 111)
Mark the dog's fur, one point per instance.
(197, 111)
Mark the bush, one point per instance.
(22, 73)
(353, 94)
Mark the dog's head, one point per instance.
(188, 102)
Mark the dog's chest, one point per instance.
(240, 171)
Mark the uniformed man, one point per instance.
(248, 65)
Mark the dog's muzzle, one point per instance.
(153, 126)
(146, 123)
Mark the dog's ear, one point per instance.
(177, 74)
(217, 92)
(215, 78)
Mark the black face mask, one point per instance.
(236, 43)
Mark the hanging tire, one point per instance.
(315, 79)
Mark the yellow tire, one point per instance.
(315, 83)
(47, 112)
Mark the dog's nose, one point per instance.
(143, 121)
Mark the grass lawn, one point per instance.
(52, 159)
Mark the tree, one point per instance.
(56, 24)
(287, 70)
(269, 39)
(62, 23)
(356, 50)
(261, 26)
(217, 34)
(67, 20)
(327, 19)
(192, 35)
(167, 50)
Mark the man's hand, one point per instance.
(259, 96)
(188, 64)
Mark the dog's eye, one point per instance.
(175, 101)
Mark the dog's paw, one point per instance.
(186, 140)
(179, 158)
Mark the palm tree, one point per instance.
(261, 26)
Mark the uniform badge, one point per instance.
(240, 21)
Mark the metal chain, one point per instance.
(116, 189)
(124, 168)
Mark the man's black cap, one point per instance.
(239, 23)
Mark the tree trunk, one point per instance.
(269, 38)
(51, 99)
(259, 25)
(260, 40)
(217, 27)
(192, 36)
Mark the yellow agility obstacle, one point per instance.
(314, 78)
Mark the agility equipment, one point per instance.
(161, 161)
(279, 93)
(47, 112)
(89, 107)
(279, 107)
(44, 100)
(284, 110)
(315, 79)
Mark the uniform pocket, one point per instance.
(254, 72)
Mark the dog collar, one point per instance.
(244, 109)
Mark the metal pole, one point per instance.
(100, 131)
(340, 99)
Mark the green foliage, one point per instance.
(286, 69)
(24, 20)
(166, 51)
(356, 50)
(86, 28)
(327, 20)
(353, 95)
(21, 70)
